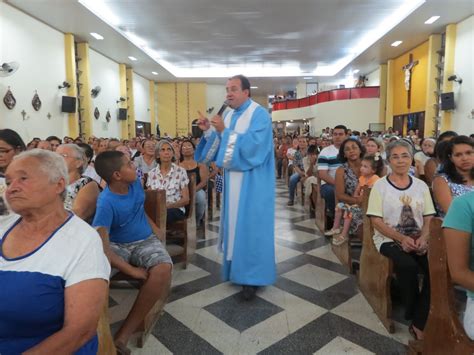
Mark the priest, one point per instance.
(241, 143)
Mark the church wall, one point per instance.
(105, 73)
(215, 97)
(354, 114)
(42, 68)
(141, 96)
(418, 81)
(373, 78)
(462, 118)
(178, 104)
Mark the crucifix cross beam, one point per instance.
(407, 68)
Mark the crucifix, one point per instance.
(407, 68)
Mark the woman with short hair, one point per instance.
(400, 209)
(172, 178)
(82, 191)
(53, 269)
(147, 160)
(421, 157)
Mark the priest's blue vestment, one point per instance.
(244, 149)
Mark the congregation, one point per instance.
(65, 186)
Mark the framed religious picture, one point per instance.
(107, 116)
(96, 113)
(9, 100)
(36, 102)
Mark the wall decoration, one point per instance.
(108, 116)
(9, 100)
(36, 102)
(96, 113)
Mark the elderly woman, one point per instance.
(82, 191)
(146, 161)
(172, 178)
(201, 171)
(433, 164)
(421, 157)
(456, 175)
(11, 144)
(53, 269)
(400, 208)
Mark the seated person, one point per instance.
(421, 157)
(310, 164)
(456, 176)
(134, 247)
(458, 234)
(201, 171)
(53, 270)
(400, 209)
(172, 178)
(82, 191)
(370, 168)
(432, 166)
(328, 162)
(298, 168)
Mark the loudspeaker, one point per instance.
(122, 114)
(447, 101)
(68, 104)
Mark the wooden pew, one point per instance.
(284, 169)
(444, 333)
(184, 231)
(104, 335)
(155, 208)
(375, 273)
(320, 213)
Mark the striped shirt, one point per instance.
(329, 161)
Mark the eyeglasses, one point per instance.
(5, 151)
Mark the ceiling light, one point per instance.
(396, 43)
(132, 58)
(154, 73)
(431, 20)
(355, 71)
(308, 78)
(254, 87)
(213, 70)
(97, 36)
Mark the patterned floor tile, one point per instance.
(314, 277)
(313, 308)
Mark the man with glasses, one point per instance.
(241, 142)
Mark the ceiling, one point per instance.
(276, 42)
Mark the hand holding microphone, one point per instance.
(216, 121)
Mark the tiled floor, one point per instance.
(314, 307)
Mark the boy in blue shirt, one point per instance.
(134, 247)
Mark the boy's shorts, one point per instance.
(144, 253)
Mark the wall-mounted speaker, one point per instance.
(122, 114)
(68, 104)
(447, 101)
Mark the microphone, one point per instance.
(222, 109)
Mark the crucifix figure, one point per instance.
(407, 69)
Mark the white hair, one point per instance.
(79, 154)
(51, 164)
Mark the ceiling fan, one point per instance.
(8, 69)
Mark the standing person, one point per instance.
(242, 144)
(328, 162)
